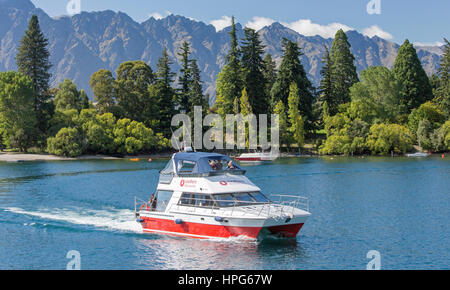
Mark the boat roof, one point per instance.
(197, 163)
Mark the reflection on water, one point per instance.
(180, 253)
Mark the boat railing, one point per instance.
(284, 206)
(142, 205)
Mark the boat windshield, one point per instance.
(240, 199)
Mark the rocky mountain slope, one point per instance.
(87, 42)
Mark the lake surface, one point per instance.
(399, 207)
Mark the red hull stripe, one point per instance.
(204, 231)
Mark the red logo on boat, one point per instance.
(223, 183)
(182, 183)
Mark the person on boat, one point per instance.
(219, 165)
(152, 202)
(213, 165)
(231, 166)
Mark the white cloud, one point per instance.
(156, 15)
(437, 43)
(258, 22)
(308, 28)
(376, 30)
(221, 23)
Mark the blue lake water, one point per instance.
(399, 207)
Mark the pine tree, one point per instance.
(443, 90)
(253, 68)
(32, 60)
(291, 70)
(163, 95)
(270, 74)
(326, 85)
(184, 79)
(408, 70)
(85, 104)
(343, 71)
(196, 97)
(229, 80)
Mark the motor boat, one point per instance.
(418, 154)
(256, 157)
(206, 195)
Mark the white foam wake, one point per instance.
(112, 219)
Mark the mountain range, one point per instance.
(84, 43)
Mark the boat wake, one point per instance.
(122, 220)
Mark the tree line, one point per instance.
(378, 112)
(381, 111)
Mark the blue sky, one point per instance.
(418, 20)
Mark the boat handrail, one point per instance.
(281, 207)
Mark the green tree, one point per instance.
(68, 97)
(85, 103)
(100, 134)
(424, 132)
(379, 91)
(162, 95)
(133, 137)
(284, 135)
(291, 70)
(32, 60)
(17, 115)
(387, 138)
(295, 119)
(269, 73)
(131, 89)
(429, 111)
(326, 86)
(196, 97)
(102, 85)
(66, 143)
(442, 92)
(415, 85)
(253, 71)
(229, 80)
(343, 70)
(184, 79)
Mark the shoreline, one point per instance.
(28, 157)
(11, 157)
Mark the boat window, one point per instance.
(243, 197)
(162, 200)
(185, 199)
(198, 200)
(259, 197)
(224, 200)
(186, 166)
